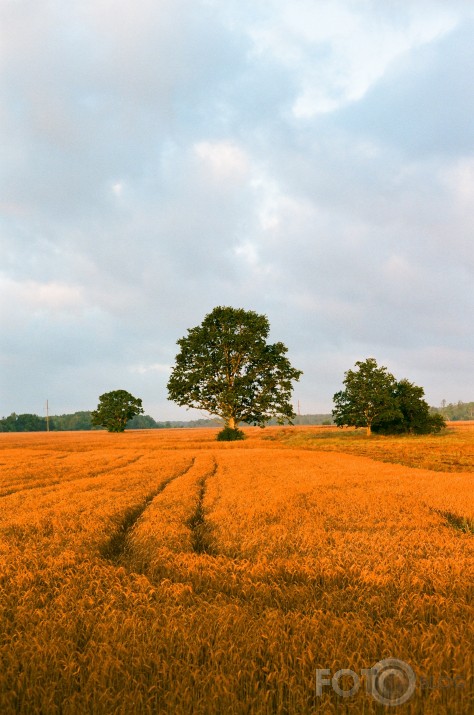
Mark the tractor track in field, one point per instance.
(460, 523)
(52, 484)
(114, 548)
(201, 531)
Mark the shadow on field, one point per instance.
(201, 533)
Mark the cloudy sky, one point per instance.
(312, 160)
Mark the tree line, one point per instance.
(459, 411)
(79, 421)
(227, 368)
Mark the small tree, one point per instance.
(368, 396)
(115, 409)
(227, 368)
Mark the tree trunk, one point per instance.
(369, 430)
(231, 422)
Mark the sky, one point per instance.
(310, 160)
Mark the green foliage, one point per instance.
(82, 421)
(413, 413)
(316, 419)
(226, 367)
(368, 396)
(71, 422)
(115, 409)
(23, 423)
(455, 411)
(375, 400)
(437, 423)
(142, 422)
(229, 434)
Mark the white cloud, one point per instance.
(118, 188)
(350, 45)
(225, 159)
(154, 367)
(459, 178)
(52, 297)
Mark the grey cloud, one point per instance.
(154, 169)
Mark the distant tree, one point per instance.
(318, 419)
(226, 367)
(142, 422)
(23, 423)
(454, 412)
(413, 413)
(8, 424)
(368, 396)
(76, 421)
(115, 409)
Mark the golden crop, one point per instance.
(163, 572)
(450, 451)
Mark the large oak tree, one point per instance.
(226, 367)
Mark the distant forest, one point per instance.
(456, 411)
(82, 420)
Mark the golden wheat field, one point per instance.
(164, 572)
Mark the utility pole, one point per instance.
(299, 413)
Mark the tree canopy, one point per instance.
(226, 367)
(367, 396)
(115, 409)
(413, 413)
(375, 400)
(23, 423)
(456, 411)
